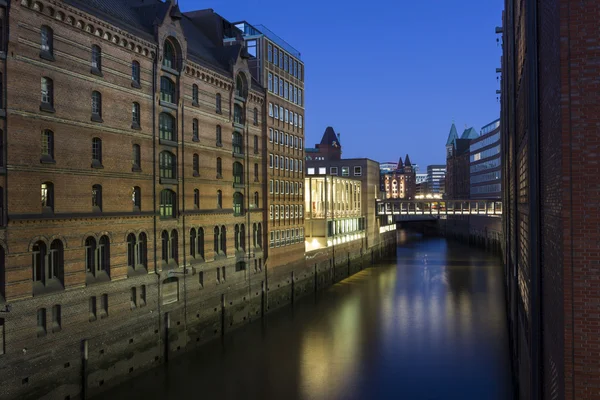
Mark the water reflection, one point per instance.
(431, 325)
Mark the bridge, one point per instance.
(424, 209)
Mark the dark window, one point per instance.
(219, 168)
(255, 116)
(56, 318)
(217, 239)
(136, 198)
(167, 90)
(259, 234)
(242, 236)
(255, 172)
(196, 198)
(195, 135)
(169, 55)
(193, 242)
(196, 165)
(256, 199)
(223, 237)
(219, 139)
(47, 92)
(201, 242)
(167, 203)
(135, 115)
(255, 144)
(166, 246)
(238, 203)
(142, 247)
(48, 266)
(131, 247)
(90, 255)
(96, 58)
(41, 322)
(47, 194)
(167, 165)
(238, 143)
(174, 248)
(241, 89)
(219, 199)
(133, 297)
(48, 145)
(104, 255)
(166, 124)
(47, 42)
(142, 295)
(135, 72)
(96, 104)
(137, 156)
(97, 197)
(238, 114)
(236, 237)
(218, 102)
(92, 308)
(195, 94)
(238, 173)
(97, 151)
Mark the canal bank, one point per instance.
(427, 324)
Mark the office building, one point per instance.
(485, 167)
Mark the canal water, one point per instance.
(428, 325)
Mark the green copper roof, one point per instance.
(470, 133)
(452, 136)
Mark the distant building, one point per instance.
(485, 164)
(401, 182)
(420, 184)
(436, 176)
(388, 166)
(330, 147)
(457, 163)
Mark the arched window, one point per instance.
(219, 199)
(167, 165)
(167, 90)
(255, 116)
(195, 94)
(193, 242)
(238, 114)
(96, 104)
(136, 198)
(166, 124)
(255, 172)
(166, 246)
(259, 235)
(47, 41)
(90, 255)
(217, 239)
(238, 173)
(96, 59)
(104, 255)
(243, 236)
(201, 242)
(96, 151)
(97, 197)
(219, 168)
(236, 237)
(238, 203)
(218, 136)
(224, 239)
(135, 115)
(195, 134)
(255, 144)
(241, 87)
(142, 248)
(131, 250)
(256, 199)
(135, 73)
(218, 103)
(47, 145)
(169, 55)
(137, 157)
(238, 143)
(47, 193)
(167, 203)
(196, 199)
(47, 268)
(254, 234)
(47, 90)
(196, 165)
(174, 246)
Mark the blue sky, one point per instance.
(390, 76)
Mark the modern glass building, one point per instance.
(485, 163)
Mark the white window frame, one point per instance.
(270, 109)
(271, 135)
(270, 82)
(280, 113)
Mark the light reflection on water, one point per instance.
(429, 326)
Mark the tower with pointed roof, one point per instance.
(452, 136)
(328, 149)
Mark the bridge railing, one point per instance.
(438, 207)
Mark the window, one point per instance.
(300, 97)
(166, 123)
(285, 62)
(276, 112)
(238, 203)
(276, 187)
(276, 84)
(311, 171)
(281, 113)
(238, 114)
(271, 135)
(270, 109)
(131, 250)
(223, 237)
(136, 198)
(169, 55)
(276, 55)
(195, 94)
(96, 59)
(166, 246)
(97, 257)
(255, 116)
(196, 199)
(299, 121)
(270, 160)
(135, 73)
(218, 103)
(142, 295)
(136, 157)
(41, 322)
(271, 186)
(281, 87)
(96, 152)
(276, 162)
(333, 171)
(47, 90)
(97, 197)
(255, 144)
(241, 87)
(236, 237)
(174, 246)
(219, 199)
(276, 137)
(200, 242)
(47, 145)
(133, 298)
(270, 82)
(167, 203)
(135, 115)
(218, 136)
(357, 171)
(256, 199)
(238, 173)
(167, 165)
(142, 247)
(219, 168)
(255, 172)
(345, 171)
(285, 90)
(286, 116)
(167, 90)
(196, 165)
(295, 119)
(270, 52)
(238, 143)
(47, 42)
(96, 106)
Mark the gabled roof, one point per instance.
(400, 163)
(407, 162)
(329, 137)
(453, 135)
(470, 133)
